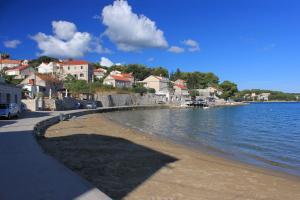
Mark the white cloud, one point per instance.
(66, 41)
(64, 30)
(11, 43)
(176, 49)
(106, 62)
(131, 32)
(150, 59)
(192, 44)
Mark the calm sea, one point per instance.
(264, 134)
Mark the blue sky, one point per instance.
(255, 43)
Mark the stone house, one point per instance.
(180, 87)
(20, 72)
(118, 81)
(80, 69)
(46, 84)
(209, 93)
(159, 83)
(99, 73)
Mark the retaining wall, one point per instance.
(40, 127)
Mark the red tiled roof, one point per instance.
(99, 70)
(48, 77)
(7, 61)
(127, 75)
(183, 87)
(75, 62)
(181, 80)
(120, 78)
(19, 68)
(158, 77)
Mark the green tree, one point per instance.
(177, 75)
(36, 62)
(139, 72)
(229, 89)
(160, 71)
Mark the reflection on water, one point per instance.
(265, 134)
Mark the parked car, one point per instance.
(9, 110)
(91, 105)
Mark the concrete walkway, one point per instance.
(28, 173)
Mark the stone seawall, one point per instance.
(41, 126)
(125, 99)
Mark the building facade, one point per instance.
(50, 68)
(7, 63)
(99, 73)
(117, 81)
(10, 93)
(180, 88)
(41, 83)
(160, 84)
(20, 72)
(81, 70)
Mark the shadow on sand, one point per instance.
(114, 165)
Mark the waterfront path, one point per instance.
(26, 172)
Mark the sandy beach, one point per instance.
(128, 164)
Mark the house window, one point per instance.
(68, 67)
(81, 75)
(16, 98)
(81, 67)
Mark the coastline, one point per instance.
(156, 168)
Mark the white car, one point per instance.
(9, 110)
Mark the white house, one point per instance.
(80, 69)
(118, 81)
(49, 68)
(20, 72)
(209, 92)
(41, 83)
(7, 63)
(180, 87)
(9, 93)
(159, 83)
(99, 73)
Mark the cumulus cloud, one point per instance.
(106, 62)
(131, 32)
(66, 41)
(11, 43)
(192, 44)
(176, 49)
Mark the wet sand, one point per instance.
(127, 164)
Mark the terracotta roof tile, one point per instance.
(120, 78)
(75, 62)
(19, 68)
(7, 61)
(183, 87)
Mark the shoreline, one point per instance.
(208, 150)
(185, 170)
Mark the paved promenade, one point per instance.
(28, 173)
